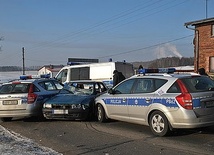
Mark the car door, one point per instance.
(116, 102)
(141, 98)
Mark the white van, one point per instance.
(94, 71)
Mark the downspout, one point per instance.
(196, 47)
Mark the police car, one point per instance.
(162, 101)
(25, 97)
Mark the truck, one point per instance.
(94, 71)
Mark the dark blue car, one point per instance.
(75, 101)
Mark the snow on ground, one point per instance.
(12, 143)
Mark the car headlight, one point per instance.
(47, 106)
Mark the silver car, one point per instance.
(163, 102)
(25, 98)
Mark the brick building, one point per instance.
(203, 44)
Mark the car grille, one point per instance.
(64, 106)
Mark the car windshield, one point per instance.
(78, 88)
(199, 84)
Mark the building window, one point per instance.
(212, 64)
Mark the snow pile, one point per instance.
(13, 143)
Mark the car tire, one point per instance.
(159, 124)
(101, 116)
(6, 119)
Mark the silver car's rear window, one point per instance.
(198, 84)
(14, 88)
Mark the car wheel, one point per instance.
(159, 124)
(6, 119)
(101, 117)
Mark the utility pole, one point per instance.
(23, 60)
(1, 38)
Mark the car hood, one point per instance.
(69, 99)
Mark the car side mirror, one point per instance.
(111, 91)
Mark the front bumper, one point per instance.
(66, 114)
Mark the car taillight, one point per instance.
(185, 98)
(31, 95)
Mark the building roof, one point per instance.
(52, 67)
(193, 23)
(53, 70)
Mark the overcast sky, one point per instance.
(133, 30)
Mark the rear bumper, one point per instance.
(194, 122)
(23, 111)
(15, 113)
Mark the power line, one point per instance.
(143, 48)
(119, 16)
(1, 38)
(109, 20)
(127, 52)
(115, 17)
(123, 16)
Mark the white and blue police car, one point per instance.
(25, 97)
(160, 99)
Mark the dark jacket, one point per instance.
(201, 71)
(117, 77)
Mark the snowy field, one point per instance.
(5, 76)
(12, 143)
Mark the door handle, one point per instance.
(148, 100)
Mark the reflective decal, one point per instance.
(160, 92)
(115, 101)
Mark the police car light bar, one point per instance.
(25, 77)
(158, 70)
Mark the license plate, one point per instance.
(210, 104)
(60, 111)
(10, 102)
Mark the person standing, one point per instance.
(117, 77)
(201, 71)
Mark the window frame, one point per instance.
(211, 64)
(125, 87)
(212, 30)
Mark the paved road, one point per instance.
(75, 137)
